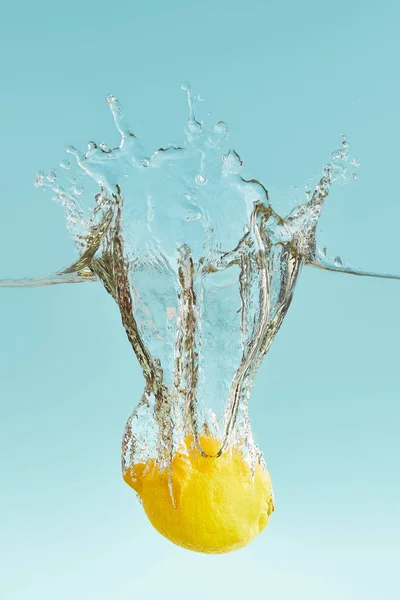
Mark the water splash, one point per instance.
(201, 266)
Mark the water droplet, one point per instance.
(345, 144)
(105, 147)
(111, 98)
(355, 163)
(145, 163)
(39, 180)
(71, 150)
(92, 146)
(221, 128)
(354, 175)
(219, 133)
(200, 180)
(65, 164)
(78, 190)
(337, 261)
(51, 176)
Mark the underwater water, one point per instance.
(200, 265)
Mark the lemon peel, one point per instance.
(205, 504)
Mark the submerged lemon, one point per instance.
(216, 504)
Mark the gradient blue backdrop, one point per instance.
(289, 77)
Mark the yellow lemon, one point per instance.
(211, 505)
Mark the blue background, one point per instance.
(289, 78)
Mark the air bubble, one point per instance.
(200, 180)
(105, 147)
(190, 195)
(337, 261)
(39, 180)
(145, 163)
(51, 176)
(111, 98)
(65, 164)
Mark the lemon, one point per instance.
(211, 505)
